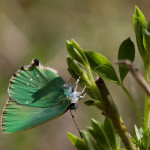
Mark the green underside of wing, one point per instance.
(37, 86)
(18, 117)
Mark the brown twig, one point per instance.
(136, 74)
(112, 113)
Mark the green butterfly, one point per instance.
(37, 94)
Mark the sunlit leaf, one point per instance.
(77, 47)
(138, 27)
(146, 40)
(77, 142)
(76, 71)
(101, 66)
(74, 53)
(139, 14)
(107, 72)
(136, 133)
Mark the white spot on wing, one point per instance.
(30, 79)
(27, 102)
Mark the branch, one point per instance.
(112, 113)
(136, 74)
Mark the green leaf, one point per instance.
(96, 59)
(126, 51)
(139, 24)
(140, 15)
(77, 142)
(77, 47)
(107, 72)
(89, 102)
(76, 71)
(74, 53)
(73, 65)
(146, 40)
(89, 142)
(146, 139)
(101, 66)
(140, 141)
(133, 20)
(136, 133)
(94, 103)
(133, 140)
(90, 94)
(95, 136)
(110, 132)
(139, 36)
(104, 142)
(118, 140)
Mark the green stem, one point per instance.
(133, 103)
(146, 113)
(147, 99)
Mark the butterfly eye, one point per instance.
(72, 90)
(73, 106)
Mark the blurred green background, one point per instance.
(38, 29)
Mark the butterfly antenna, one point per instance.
(70, 80)
(76, 124)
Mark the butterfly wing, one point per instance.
(37, 86)
(18, 117)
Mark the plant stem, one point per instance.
(133, 103)
(147, 99)
(112, 112)
(146, 113)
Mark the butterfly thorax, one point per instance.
(71, 94)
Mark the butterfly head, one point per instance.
(72, 95)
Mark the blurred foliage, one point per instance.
(38, 29)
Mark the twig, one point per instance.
(112, 112)
(136, 74)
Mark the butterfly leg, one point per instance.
(76, 84)
(74, 104)
(83, 93)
